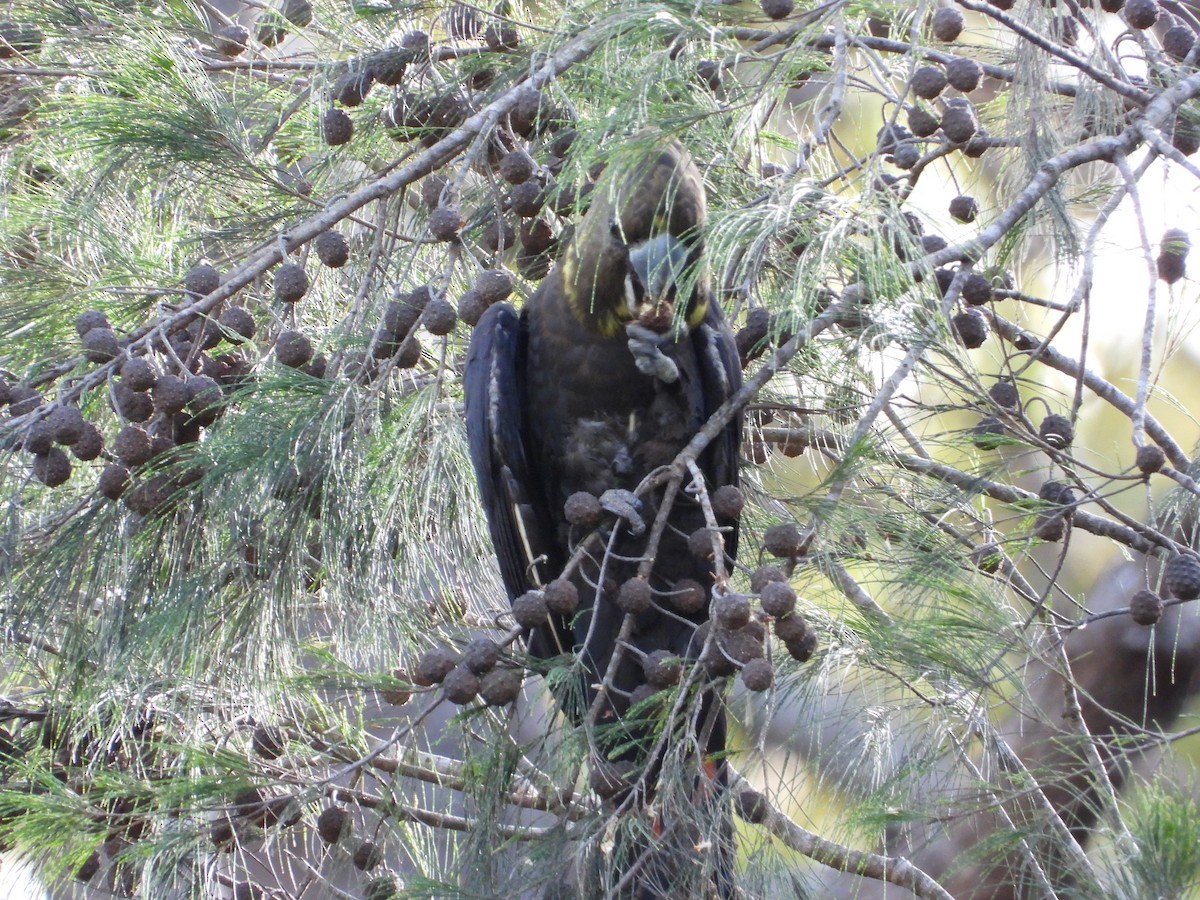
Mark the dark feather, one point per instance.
(496, 432)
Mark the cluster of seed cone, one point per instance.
(405, 86)
(154, 411)
(1177, 40)
(934, 116)
(734, 641)
(398, 85)
(519, 235)
(1056, 432)
(248, 814)
(931, 114)
(335, 827)
(161, 399)
(252, 811)
(1180, 579)
(479, 670)
(172, 386)
(735, 638)
(84, 760)
(244, 815)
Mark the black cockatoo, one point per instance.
(608, 371)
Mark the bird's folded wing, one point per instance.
(495, 433)
(721, 372)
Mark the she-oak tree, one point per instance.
(254, 643)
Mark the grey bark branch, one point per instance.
(892, 869)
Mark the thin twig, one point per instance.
(893, 869)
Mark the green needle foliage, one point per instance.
(240, 524)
